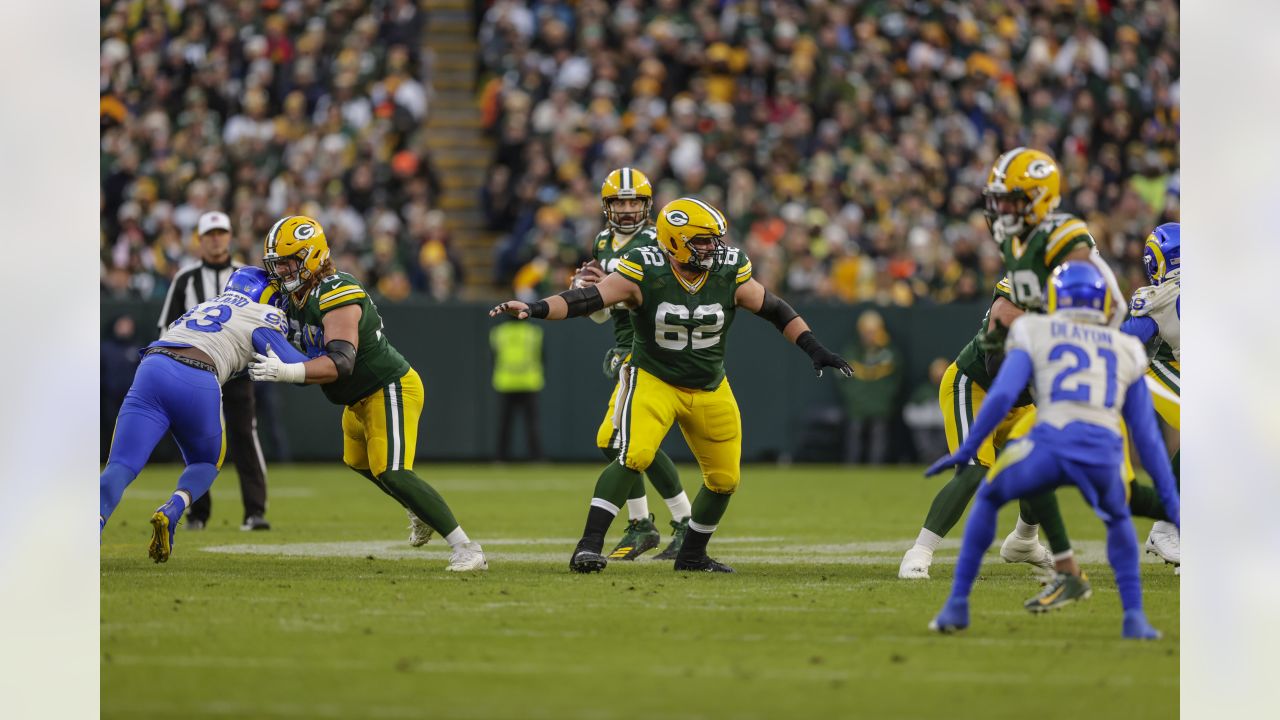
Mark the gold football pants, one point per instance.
(380, 431)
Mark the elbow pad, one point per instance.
(777, 311)
(582, 301)
(343, 355)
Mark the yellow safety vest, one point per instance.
(517, 349)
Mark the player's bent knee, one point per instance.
(723, 483)
(639, 459)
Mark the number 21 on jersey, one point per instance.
(1081, 391)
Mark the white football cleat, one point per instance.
(1015, 550)
(467, 557)
(915, 564)
(419, 531)
(1164, 542)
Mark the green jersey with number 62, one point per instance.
(681, 327)
(1029, 262)
(377, 363)
(609, 247)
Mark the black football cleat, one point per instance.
(585, 561)
(702, 564)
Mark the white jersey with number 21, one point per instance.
(1081, 371)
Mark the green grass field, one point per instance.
(332, 615)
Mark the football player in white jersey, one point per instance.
(1155, 318)
(1085, 377)
(178, 388)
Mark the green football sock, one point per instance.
(616, 482)
(414, 493)
(1144, 502)
(949, 504)
(709, 507)
(1044, 509)
(373, 479)
(664, 476)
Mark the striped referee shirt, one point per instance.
(192, 286)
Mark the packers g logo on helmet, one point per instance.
(300, 238)
(1031, 181)
(626, 184)
(687, 220)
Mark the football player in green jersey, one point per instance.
(334, 321)
(683, 297)
(1022, 194)
(627, 200)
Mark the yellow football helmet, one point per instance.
(1023, 187)
(687, 221)
(626, 184)
(296, 238)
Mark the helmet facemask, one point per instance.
(1006, 222)
(627, 223)
(707, 259)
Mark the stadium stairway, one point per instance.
(459, 149)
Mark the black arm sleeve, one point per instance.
(777, 311)
(582, 301)
(343, 355)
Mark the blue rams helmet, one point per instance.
(255, 284)
(1163, 253)
(1078, 289)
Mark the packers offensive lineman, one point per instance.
(683, 296)
(1022, 194)
(627, 201)
(1086, 377)
(335, 323)
(178, 388)
(1155, 318)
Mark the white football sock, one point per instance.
(185, 497)
(1064, 555)
(928, 539)
(1025, 531)
(457, 537)
(680, 507)
(638, 508)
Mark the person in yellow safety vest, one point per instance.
(517, 378)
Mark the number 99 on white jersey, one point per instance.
(1081, 371)
(223, 328)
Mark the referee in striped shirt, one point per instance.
(191, 287)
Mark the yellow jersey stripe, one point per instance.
(1057, 236)
(330, 293)
(691, 287)
(630, 272)
(1061, 239)
(744, 273)
(342, 299)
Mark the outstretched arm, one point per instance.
(574, 303)
(341, 327)
(1014, 374)
(1141, 418)
(753, 296)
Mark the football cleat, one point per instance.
(419, 531)
(163, 522)
(640, 537)
(1015, 550)
(678, 530)
(1062, 591)
(255, 522)
(585, 561)
(915, 564)
(702, 564)
(1136, 627)
(467, 557)
(1164, 542)
(954, 616)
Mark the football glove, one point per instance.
(613, 360)
(270, 368)
(821, 356)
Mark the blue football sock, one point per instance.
(1122, 552)
(979, 532)
(197, 479)
(111, 484)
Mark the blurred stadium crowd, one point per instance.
(846, 141)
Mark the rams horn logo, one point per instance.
(303, 232)
(677, 218)
(1040, 169)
